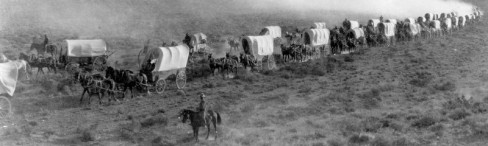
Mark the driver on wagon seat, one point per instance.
(148, 68)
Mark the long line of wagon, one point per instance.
(308, 44)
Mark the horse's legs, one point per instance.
(131, 92)
(208, 127)
(82, 94)
(100, 97)
(195, 132)
(214, 122)
(125, 89)
(89, 97)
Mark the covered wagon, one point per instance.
(319, 25)
(166, 61)
(198, 42)
(414, 29)
(446, 25)
(429, 16)
(273, 31)
(421, 19)
(350, 24)
(387, 29)
(455, 22)
(80, 53)
(357, 37)
(9, 76)
(318, 39)
(410, 20)
(260, 47)
(394, 21)
(435, 25)
(374, 24)
(462, 21)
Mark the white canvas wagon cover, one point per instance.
(388, 29)
(358, 32)
(198, 38)
(86, 48)
(448, 23)
(319, 25)
(429, 16)
(462, 21)
(169, 58)
(414, 28)
(374, 22)
(455, 21)
(273, 31)
(410, 20)
(394, 21)
(318, 36)
(3, 58)
(8, 77)
(354, 24)
(421, 19)
(436, 24)
(259, 45)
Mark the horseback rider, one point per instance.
(202, 109)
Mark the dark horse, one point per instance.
(127, 78)
(197, 121)
(50, 63)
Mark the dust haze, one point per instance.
(170, 19)
(391, 8)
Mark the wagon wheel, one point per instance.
(160, 86)
(71, 68)
(271, 62)
(5, 107)
(98, 63)
(181, 79)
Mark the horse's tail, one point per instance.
(219, 120)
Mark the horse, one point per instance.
(116, 76)
(34, 62)
(126, 78)
(233, 43)
(338, 41)
(248, 60)
(109, 86)
(131, 80)
(215, 64)
(197, 121)
(92, 85)
(230, 65)
(285, 52)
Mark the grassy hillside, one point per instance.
(408, 94)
